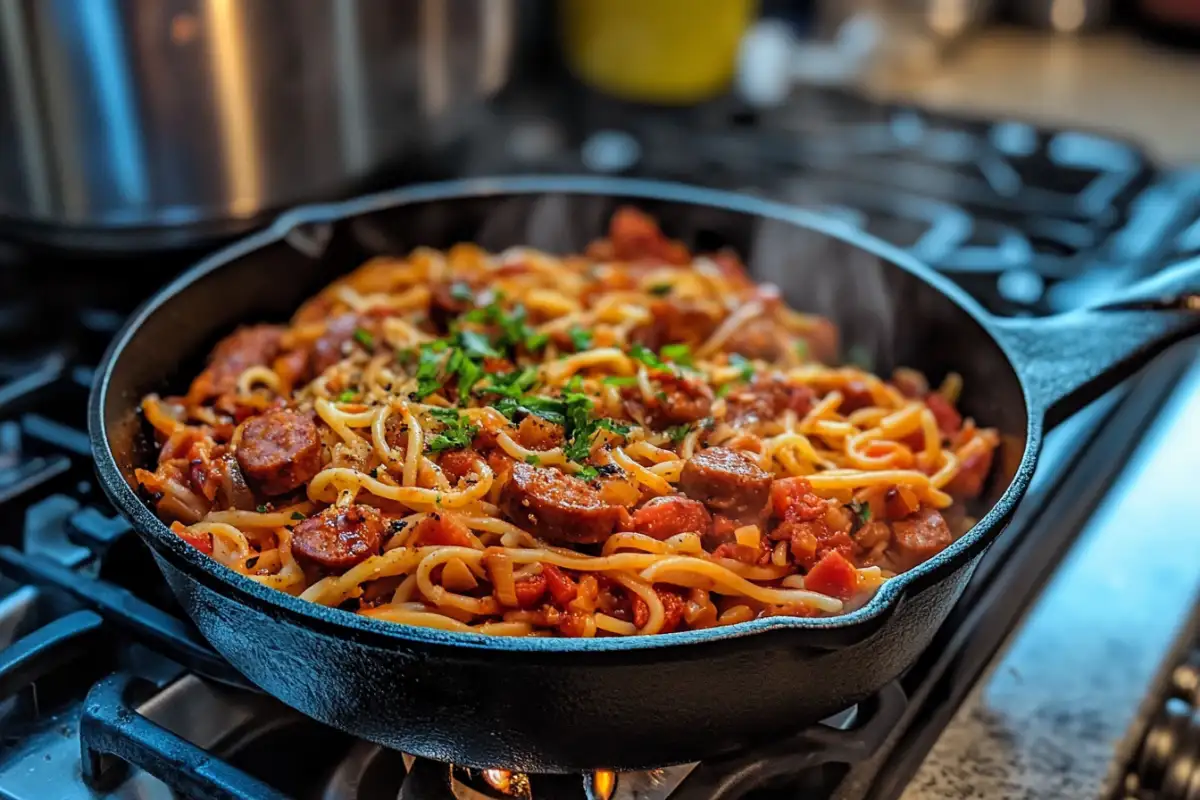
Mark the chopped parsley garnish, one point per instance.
(660, 289)
(862, 511)
(860, 357)
(744, 365)
(364, 338)
(261, 509)
(587, 473)
(647, 357)
(404, 356)
(429, 368)
(547, 408)
(513, 330)
(679, 353)
(475, 344)
(532, 460)
(462, 292)
(457, 431)
(298, 516)
(346, 396)
(724, 389)
(620, 380)
(679, 432)
(575, 384)
(469, 374)
(802, 349)
(580, 339)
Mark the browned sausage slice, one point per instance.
(727, 482)
(252, 346)
(918, 538)
(557, 506)
(279, 451)
(337, 539)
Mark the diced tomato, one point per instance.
(673, 608)
(833, 575)
(562, 589)
(441, 529)
(744, 553)
(948, 419)
(664, 517)
(530, 590)
(900, 501)
(811, 540)
(573, 624)
(201, 541)
(494, 365)
(855, 395)
(794, 499)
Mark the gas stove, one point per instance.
(106, 690)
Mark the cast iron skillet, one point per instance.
(626, 703)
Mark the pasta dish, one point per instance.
(635, 440)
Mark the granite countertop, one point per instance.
(1110, 82)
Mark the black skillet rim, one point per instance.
(389, 634)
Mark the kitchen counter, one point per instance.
(1061, 698)
(1111, 82)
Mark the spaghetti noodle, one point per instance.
(631, 441)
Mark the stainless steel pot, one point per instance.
(146, 123)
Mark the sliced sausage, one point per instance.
(727, 482)
(252, 346)
(948, 419)
(664, 517)
(678, 321)
(767, 398)
(557, 507)
(758, 338)
(635, 235)
(329, 349)
(679, 400)
(279, 451)
(918, 538)
(337, 539)
(972, 474)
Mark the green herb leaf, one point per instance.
(346, 396)
(297, 515)
(860, 357)
(429, 368)
(587, 473)
(861, 510)
(261, 509)
(364, 338)
(580, 339)
(679, 432)
(802, 349)
(547, 408)
(462, 292)
(660, 289)
(746, 367)
(536, 341)
(647, 357)
(532, 460)
(476, 345)
(457, 431)
(620, 380)
(679, 353)
(619, 428)
(724, 389)
(469, 374)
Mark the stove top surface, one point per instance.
(101, 672)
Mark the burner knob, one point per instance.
(1170, 753)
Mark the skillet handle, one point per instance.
(1069, 360)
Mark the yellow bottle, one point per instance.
(655, 51)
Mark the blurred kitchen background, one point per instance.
(1040, 152)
